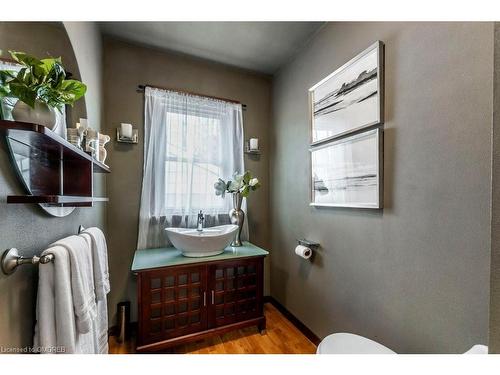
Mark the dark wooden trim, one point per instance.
(113, 330)
(161, 345)
(293, 319)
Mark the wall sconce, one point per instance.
(126, 134)
(252, 146)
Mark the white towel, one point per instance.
(101, 329)
(82, 281)
(100, 261)
(55, 329)
(101, 284)
(45, 328)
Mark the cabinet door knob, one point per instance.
(213, 297)
(204, 298)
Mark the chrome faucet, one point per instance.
(200, 221)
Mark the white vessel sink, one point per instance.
(210, 241)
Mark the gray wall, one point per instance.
(494, 342)
(125, 67)
(414, 276)
(27, 227)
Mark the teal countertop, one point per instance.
(146, 259)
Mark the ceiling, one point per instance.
(259, 46)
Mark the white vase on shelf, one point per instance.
(103, 153)
(42, 114)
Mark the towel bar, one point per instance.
(11, 258)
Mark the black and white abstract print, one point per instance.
(345, 173)
(348, 99)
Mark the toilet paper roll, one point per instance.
(303, 251)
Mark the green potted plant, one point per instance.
(41, 87)
(240, 187)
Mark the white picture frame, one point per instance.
(348, 172)
(349, 99)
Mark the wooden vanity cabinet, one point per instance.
(172, 303)
(182, 303)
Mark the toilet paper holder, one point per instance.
(311, 244)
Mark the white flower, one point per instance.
(253, 182)
(220, 188)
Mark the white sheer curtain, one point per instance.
(189, 142)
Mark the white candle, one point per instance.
(254, 144)
(126, 131)
(84, 123)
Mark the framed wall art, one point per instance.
(350, 98)
(348, 172)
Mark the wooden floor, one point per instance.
(281, 337)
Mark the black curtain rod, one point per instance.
(141, 88)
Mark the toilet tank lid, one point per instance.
(478, 349)
(348, 343)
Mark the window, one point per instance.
(190, 141)
(191, 168)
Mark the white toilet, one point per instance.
(348, 343)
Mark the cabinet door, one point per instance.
(173, 303)
(235, 290)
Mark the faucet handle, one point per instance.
(201, 219)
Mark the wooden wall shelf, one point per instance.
(41, 138)
(57, 200)
(53, 171)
